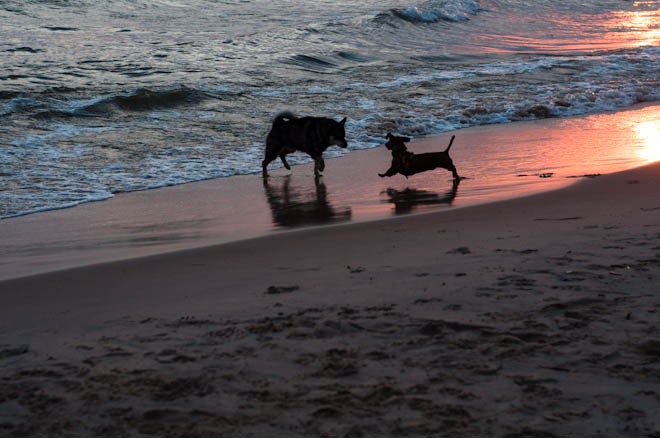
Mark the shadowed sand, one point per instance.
(531, 317)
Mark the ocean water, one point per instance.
(101, 97)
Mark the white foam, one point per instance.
(57, 205)
(58, 131)
(315, 89)
(367, 104)
(273, 92)
(441, 10)
(424, 100)
(76, 106)
(492, 69)
(425, 76)
(205, 114)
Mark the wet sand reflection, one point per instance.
(407, 200)
(295, 207)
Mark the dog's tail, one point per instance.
(450, 142)
(284, 115)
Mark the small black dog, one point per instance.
(311, 135)
(406, 163)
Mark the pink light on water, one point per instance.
(649, 136)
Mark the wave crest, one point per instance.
(434, 11)
(44, 106)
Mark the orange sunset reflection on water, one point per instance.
(620, 30)
(648, 134)
(642, 27)
(581, 33)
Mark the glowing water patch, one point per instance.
(649, 135)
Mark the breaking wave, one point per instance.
(50, 104)
(434, 11)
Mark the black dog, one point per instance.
(311, 135)
(406, 163)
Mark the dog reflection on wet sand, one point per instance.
(293, 207)
(405, 201)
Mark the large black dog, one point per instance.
(311, 135)
(406, 163)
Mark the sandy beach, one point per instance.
(154, 284)
(528, 317)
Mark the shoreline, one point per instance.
(512, 210)
(217, 211)
(435, 139)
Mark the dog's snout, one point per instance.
(341, 142)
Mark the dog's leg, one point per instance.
(269, 156)
(264, 167)
(283, 158)
(453, 171)
(322, 164)
(390, 172)
(318, 165)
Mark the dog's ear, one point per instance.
(343, 121)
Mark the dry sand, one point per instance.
(532, 317)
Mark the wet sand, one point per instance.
(529, 317)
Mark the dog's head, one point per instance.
(396, 143)
(337, 133)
